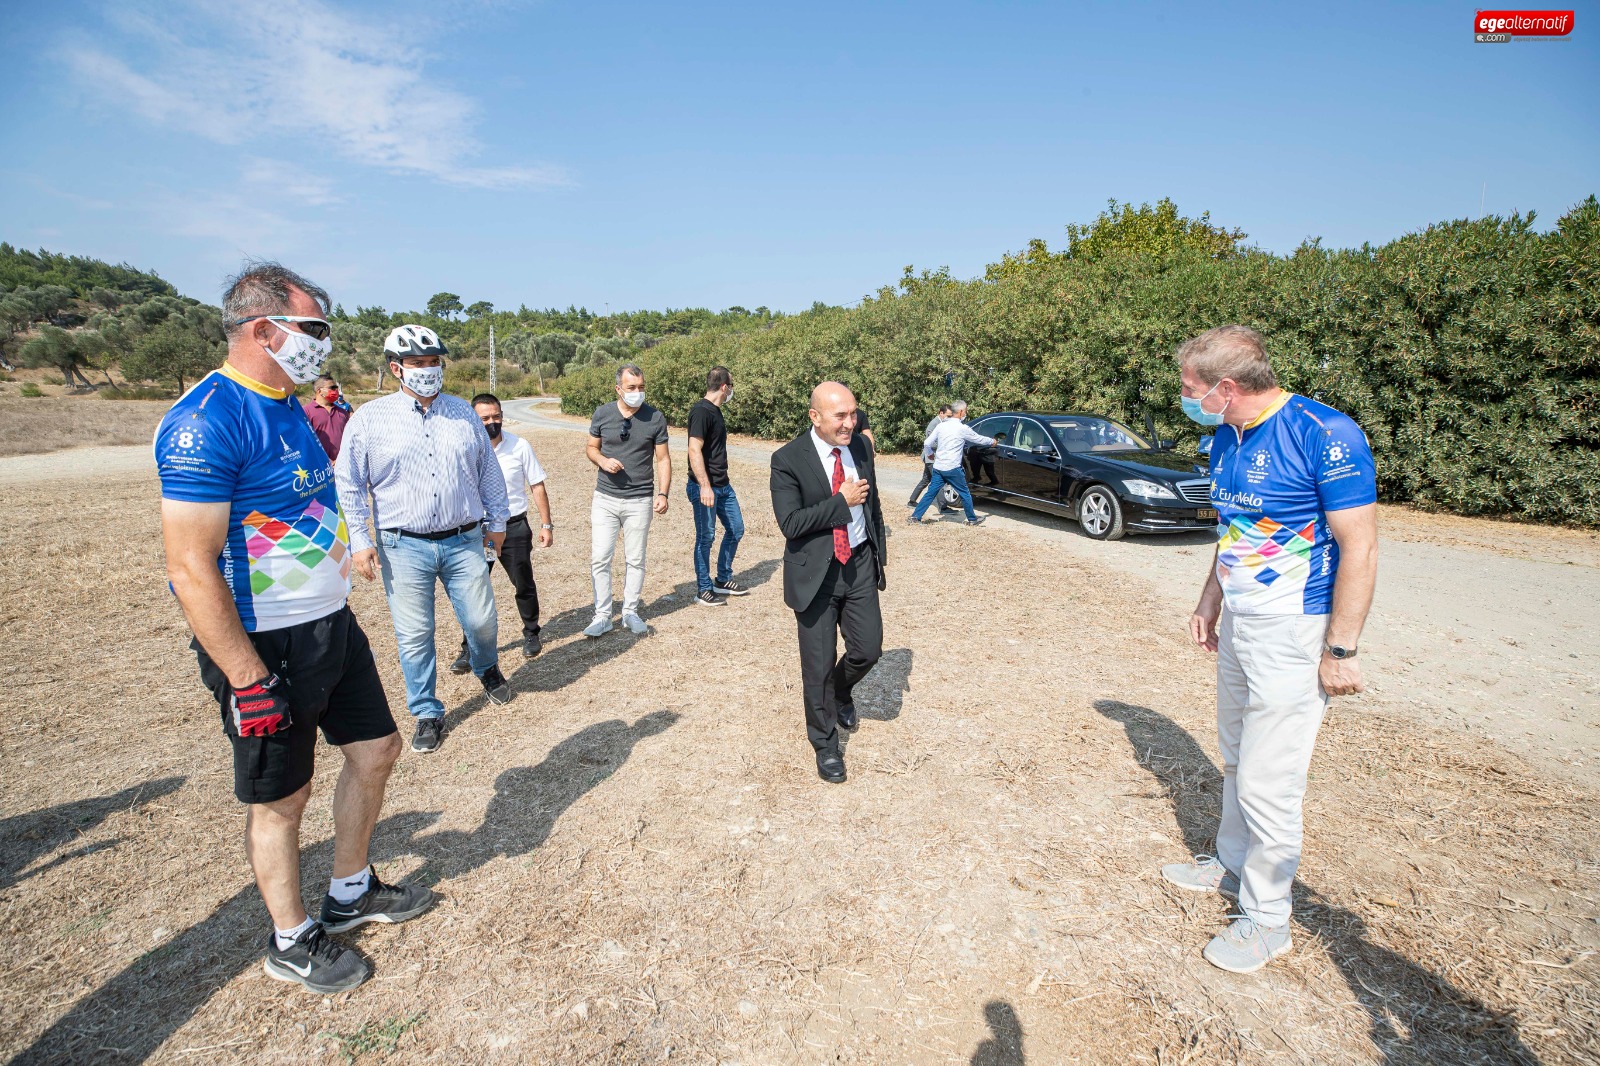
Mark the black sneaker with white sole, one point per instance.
(729, 588)
(316, 961)
(495, 685)
(709, 599)
(430, 733)
(379, 903)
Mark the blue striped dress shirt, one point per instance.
(423, 470)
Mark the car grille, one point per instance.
(1195, 491)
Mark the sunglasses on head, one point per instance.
(627, 427)
(315, 328)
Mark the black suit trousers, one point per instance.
(516, 555)
(846, 604)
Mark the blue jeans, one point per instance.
(956, 479)
(724, 506)
(411, 566)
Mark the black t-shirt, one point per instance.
(705, 422)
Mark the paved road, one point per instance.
(1494, 639)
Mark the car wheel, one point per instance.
(1100, 513)
(948, 497)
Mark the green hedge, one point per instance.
(1468, 352)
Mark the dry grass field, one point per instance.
(49, 423)
(637, 862)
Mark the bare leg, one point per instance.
(358, 798)
(272, 842)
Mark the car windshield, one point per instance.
(1079, 434)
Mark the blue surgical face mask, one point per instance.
(1192, 407)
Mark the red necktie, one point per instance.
(841, 535)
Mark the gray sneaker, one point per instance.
(1205, 874)
(599, 627)
(1246, 947)
(634, 623)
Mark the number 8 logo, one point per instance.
(186, 439)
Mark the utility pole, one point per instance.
(491, 357)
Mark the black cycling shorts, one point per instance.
(330, 681)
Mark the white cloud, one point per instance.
(298, 69)
(291, 181)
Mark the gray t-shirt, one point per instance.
(646, 429)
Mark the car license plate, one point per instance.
(1205, 512)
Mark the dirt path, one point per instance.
(637, 862)
(1484, 627)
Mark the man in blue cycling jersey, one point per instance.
(258, 555)
(1297, 556)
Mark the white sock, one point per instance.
(286, 937)
(350, 889)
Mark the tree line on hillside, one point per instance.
(531, 346)
(1468, 351)
(77, 315)
(80, 316)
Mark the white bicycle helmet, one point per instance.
(413, 340)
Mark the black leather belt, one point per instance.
(443, 534)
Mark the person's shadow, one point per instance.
(1441, 1023)
(25, 837)
(128, 1017)
(882, 693)
(562, 665)
(1004, 1044)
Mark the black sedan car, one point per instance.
(1093, 469)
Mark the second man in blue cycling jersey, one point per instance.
(1297, 557)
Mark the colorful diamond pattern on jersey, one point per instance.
(1266, 550)
(289, 555)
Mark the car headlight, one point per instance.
(1148, 489)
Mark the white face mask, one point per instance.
(423, 380)
(634, 398)
(301, 356)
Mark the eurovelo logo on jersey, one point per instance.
(310, 481)
(1248, 500)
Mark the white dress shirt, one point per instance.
(420, 470)
(521, 468)
(858, 513)
(949, 440)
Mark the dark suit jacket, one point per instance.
(808, 511)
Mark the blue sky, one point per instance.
(658, 155)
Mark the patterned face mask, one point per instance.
(302, 357)
(423, 380)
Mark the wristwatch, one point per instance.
(546, 525)
(1339, 651)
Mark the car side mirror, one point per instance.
(1166, 445)
(1044, 449)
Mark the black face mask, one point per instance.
(494, 430)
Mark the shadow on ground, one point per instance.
(129, 1016)
(881, 694)
(1003, 1047)
(564, 664)
(25, 837)
(1413, 1014)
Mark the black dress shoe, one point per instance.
(847, 717)
(532, 646)
(463, 662)
(830, 767)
